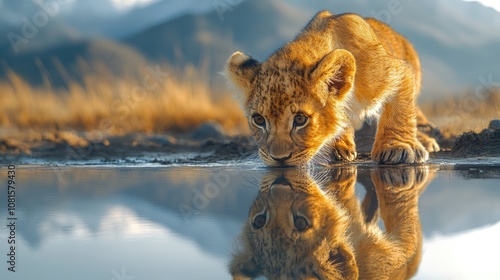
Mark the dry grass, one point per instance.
(471, 111)
(179, 102)
(119, 106)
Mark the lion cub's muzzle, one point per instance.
(281, 158)
(281, 191)
(279, 151)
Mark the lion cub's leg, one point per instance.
(396, 139)
(429, 143)
(398, 192)
(344, 147)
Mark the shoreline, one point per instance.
(475, 149)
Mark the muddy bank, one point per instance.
(486, 143)
(72, 147)
(205, 145)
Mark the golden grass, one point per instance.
(119, 106)
(471, 111)
(179, 102)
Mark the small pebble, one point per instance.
(494, 124)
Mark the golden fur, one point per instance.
(342, 239)
(337, 69)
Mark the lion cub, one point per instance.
(305, 96)
(297, 230)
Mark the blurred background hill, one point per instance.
(51, 46)
(458, 41)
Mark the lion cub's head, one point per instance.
(294, 231)
(294, 101)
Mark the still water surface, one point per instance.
(184, 222)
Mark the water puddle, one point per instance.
(200, 222)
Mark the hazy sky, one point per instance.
(125, 4)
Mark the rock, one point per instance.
(494, 124)
(162, 140)
(207, 131)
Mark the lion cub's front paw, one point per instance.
(397, 152)
(340, 153)
(344, 147)
(428, 142)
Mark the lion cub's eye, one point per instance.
(259, 120)
(299, 120)
(301, 223)
(259, 221)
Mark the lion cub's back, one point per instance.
(394, 43)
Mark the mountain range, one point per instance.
(458, 41)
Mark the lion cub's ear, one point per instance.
(241, 70)
(334, 74)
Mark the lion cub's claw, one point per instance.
(399, 153)
(343, 154)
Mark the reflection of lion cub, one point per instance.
(297, 231)
(305, 95)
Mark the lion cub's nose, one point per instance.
(280, 150)
(281, 159)
(281, 192)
